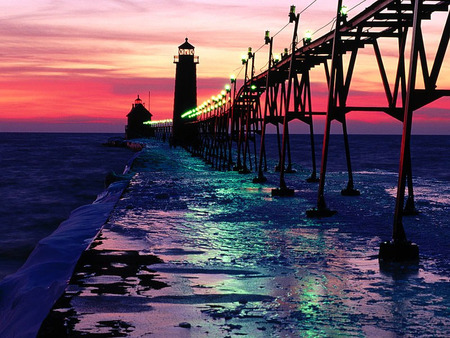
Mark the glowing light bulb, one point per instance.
(308, 34)
(267, 37)
(292, 14)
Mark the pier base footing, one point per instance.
(350, 192)
(410, 209)
(244, 171)
(260, 179)
(284, 192)
(320, 212)
(237, 167)
(398, 252)
(312, 179)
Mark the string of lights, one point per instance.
(220, 100)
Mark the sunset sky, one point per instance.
(77, 66)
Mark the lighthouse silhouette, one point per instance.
(185, 97)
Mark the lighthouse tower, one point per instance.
(185, 89)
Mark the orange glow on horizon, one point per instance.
(63, 63)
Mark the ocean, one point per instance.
(44, 177)
(47, 175)
(322, 276)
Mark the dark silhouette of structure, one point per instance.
(136, 118)
(224, 130)
(185, 97)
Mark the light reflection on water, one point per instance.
(426, 192)
(323, 274)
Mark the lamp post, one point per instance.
(231, 133)
(244, 59)
(322, 210)
(283, 190)
(248, 89)
(261, 178)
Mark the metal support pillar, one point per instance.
(262, 148)
(322, 210)
(248, 113)
(232, 121)
(350, 190)
(313, 178)
(283, 190)
(240, 124)
(400, 249)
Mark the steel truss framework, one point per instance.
(283, 93)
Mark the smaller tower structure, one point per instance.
(185, 97)
(136, 118)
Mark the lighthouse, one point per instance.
(185, 97)
(136, 118)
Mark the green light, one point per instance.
(267, 37)
(292, 14)
(253, 87)
(158, 122)
(308, 34)
(344, 11)
(185, 114)
(308, 37)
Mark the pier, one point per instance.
(228, 131)
(192, 251)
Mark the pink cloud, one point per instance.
(77, 63)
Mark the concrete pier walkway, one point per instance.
(193, 252)
(147, 272)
